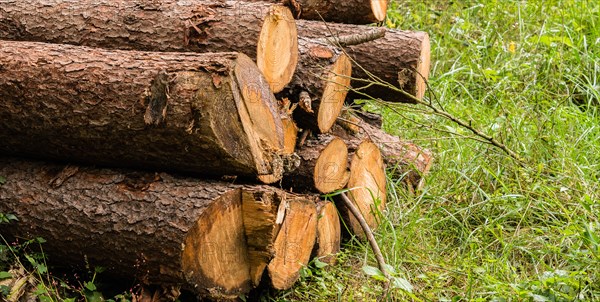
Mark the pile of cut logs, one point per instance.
(133, 133)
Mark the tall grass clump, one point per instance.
(487, 227)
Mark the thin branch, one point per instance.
(370, 237)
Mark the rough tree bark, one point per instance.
(400, 58)
(213, 238)
(340, 11)
(200, 113)
(323, 166)
(320, 85)
(261, 30)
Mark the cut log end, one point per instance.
(367, 185)
(334, 94)
(214, 255)
(259, 117)
(277, 49)
(423, 67)
(328, 233)
(331, 170)
(294, 243)
(379, 9)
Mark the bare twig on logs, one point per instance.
(374, 246)
(356, 39)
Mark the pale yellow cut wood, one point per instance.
(277, 49)
(331, 170)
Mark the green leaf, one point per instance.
(2, 180)
(4, 290)
(11, 217)
(42, 269)
(371, 270)
(402, 284)
(319, 263)
(90, 285)
(40, 240)
(5, 275)
(94, 297)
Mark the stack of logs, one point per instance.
(98, 95)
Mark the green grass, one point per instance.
(485, 228)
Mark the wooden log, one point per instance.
(340, 11)
(202, 113)
(400, 58)
(404, 159)
(213, 238)
(367, 187)
(261, 30)
(294, 242)
(320, 85)
(323, 166)
(328, 233)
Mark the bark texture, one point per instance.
(169, 25)
(200, 113)
(393, 59)
(341, 11)
(324, 74)
(156, 227)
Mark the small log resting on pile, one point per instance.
(294, 242)
(403, 158)
(367, 187)
(328, 233)
(320, 85)
(210, 237)
(340, 11)
(400, 58)
(261, 30)
(202, 113)
(323, 166)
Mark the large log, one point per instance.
(261, 30)
(323, 166)
(212, 238)
(320, 85)
(202, 113)
(400, 58)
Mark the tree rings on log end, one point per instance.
(260, 117)
(334, 94)
(331, 170)
(294, 243)
(367, 185)
(215, 255)
(277, 48)
(379, 9)
(328, 233)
